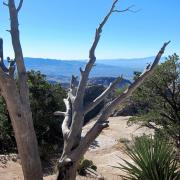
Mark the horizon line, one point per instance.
(58, 59)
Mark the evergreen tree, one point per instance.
(158, 100)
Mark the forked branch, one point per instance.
(92, 57)
(78, 99)
(100, 98)
(21, 70)
(6, 4)
(147, 72)
(127, 9)
(102, 120)
(20, 5)
(67, 117)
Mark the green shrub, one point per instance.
(45, 99)
(7, 140)
(157, 100)
(153, 159)
(84, 164)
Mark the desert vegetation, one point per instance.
(157, 100)
(153, 158)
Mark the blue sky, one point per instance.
(64, 29)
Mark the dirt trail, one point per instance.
(109, 146)
(104, 152)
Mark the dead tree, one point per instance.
(16, 95)
(75, 145)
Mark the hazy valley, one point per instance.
(62, 70)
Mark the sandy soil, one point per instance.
(105, 152)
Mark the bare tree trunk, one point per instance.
(16, 95)
(67, 172)
(24, 133)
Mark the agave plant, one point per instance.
(153, 159)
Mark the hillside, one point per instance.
(105, 81)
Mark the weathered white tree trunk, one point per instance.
(75, 145)
(16, 95)
(24, 132)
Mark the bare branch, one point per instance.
(21, 70)
(67, 120)
(95, 130)
(127, 9)
(111, 87)
(81, 71)
(87, 140)
(6, 4)
(74, 81)
(148, 71)
(8, 31)
(2, 65)
(77, 123)
(1, 49)
(92, 58)
(12, 67)
(73, 85)
(59, 113)
(20, 5)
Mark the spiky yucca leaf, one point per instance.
(153, 159)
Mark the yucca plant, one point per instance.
(153, 159)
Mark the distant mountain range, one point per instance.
(62, 70)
